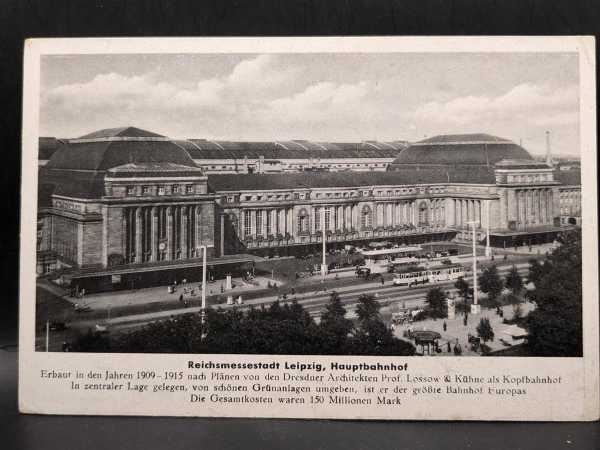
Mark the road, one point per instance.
(314, 302)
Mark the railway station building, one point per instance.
(125, 207)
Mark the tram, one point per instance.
(379, 261)
(437, 274)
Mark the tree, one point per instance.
(92, 342)
(367, 309)
(536, 271)
(555, 325)
(485, 330)
(513, 281)
(372, 336)
(464, 291)
(335, 327)
(490, 283)
(436, 303)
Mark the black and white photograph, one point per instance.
(314, 203)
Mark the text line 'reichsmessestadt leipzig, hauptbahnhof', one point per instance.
(127, 204)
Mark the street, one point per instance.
(388, 295)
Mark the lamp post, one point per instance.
(323, 236)
(475, 308)
(203, 304)
(488, 249)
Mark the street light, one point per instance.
(203, 304)
(475, 308)
(323, 236)
(488, 249)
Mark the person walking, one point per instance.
(444, 326)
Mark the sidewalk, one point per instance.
(109, 300)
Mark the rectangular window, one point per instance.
(327, 218)
(259, 223)
(146, 190)
(161, 190)
(317, 219)
(269, 224)
(247, 223)
(130, 190)
(189, 189)
(175, 189)
(296, 196)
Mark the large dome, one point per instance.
(461, 149)
(104, 149)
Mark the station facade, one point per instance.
(125, 207)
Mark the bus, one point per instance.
(437, 274)
(379, 261)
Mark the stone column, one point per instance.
(458, 213)
(222, 237)
(169, 233)
(545, 205)
(138, 235)
(198, 231)
(154, 234)
(548, 205)
(253, 222)
(289, 223)
(183, 224)
(281, 221)
(415, 212)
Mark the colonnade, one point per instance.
(468, 210)
(532, 207)
(161, 233)
(265, 222)
(310, 219)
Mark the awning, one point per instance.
(163, 265)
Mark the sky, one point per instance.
(319, 97)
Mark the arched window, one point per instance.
(423, 214)
(366, 217)
(303, 222)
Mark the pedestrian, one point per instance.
(180, 298)
(382, 280)
(449, 349)
(444, 326)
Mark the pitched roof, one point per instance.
(152, 169)
(521, 164)
(47, 146)
(120, 132)
(568, 177)
(104, 154)
(455, 138)
(78, 184)
(472, 149)
(295, 149)
(240, 182)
